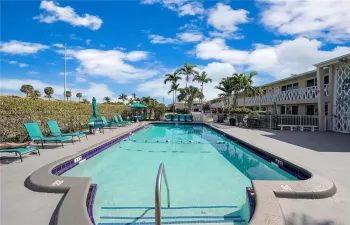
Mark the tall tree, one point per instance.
(107, 99)
(192, 93)
(27, 89)
(49, 92)
(202, 79)
(79, 95)
(174, 87)
(35, 94)
(68, 95)
(134, 96)
(247, 84)
(227, 86)
(123, 97)
(152, 106)
(188, 71)
(173, 78)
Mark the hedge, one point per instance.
(71, 116)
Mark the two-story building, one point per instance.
(323, 92)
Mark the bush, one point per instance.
(182, 111)
(14, 112)
(237, 110)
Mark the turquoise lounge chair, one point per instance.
(168, 117)
(122, 121)
(56, 131)
(117, 121)
(109, 124)
(182, 118)
(188, 118)
(175, 117)
(21, 151)
(35, 134)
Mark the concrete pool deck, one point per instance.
(326, 153)
(40, 206)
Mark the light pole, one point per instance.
(64, 86)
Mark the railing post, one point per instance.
(300, 120)
(270, 122)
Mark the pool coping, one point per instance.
(73, 209)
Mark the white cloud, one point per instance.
(33, 72)
(182, 7)
(53, 12)
(190, 36)
(192, 8)
(74, 37)
(13, 62)
(326, 19)
(58, 45)
(21, 48)
(111, 64)
(97, 90)
(280, 60)
(157, 39)
(224, 18)
(88, 41)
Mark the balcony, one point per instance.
(290, 95)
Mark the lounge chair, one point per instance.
(168, 117)
(175, 117)
(119, 122)
(21, 151)
(182, 118)
(35, 134)
(188, 118)
(122, 121)
(56, 131)
(131, 117)
(109, 124)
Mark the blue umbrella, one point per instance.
(94, 108)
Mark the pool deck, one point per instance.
(324, 152)
(19, 205)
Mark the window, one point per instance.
(326, 109)
(290, 87)
(289, 110)
(326, 80)
(312, 82)
(311, 110)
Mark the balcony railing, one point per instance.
(295, 94)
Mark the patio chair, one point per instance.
(122, 121)
(35, 134)
(98, 124)
(168, 117)
(56, 131)
(188, 118)
(119, 122)
(182, 118)
(175, 117)
(21, 151)
(109, 124)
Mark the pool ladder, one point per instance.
(158, 205)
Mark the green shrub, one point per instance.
(237, 110)
(71, 116)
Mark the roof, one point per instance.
(290, 77)
(332, 61)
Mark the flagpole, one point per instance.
(64, 87)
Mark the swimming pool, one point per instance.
(207, 174)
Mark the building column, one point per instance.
(320, 99)
(331, 96)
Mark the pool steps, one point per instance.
(173, 215)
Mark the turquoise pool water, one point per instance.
(207, 175)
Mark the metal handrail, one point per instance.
(161, 173)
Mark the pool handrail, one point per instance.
(161, 173)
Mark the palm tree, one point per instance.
(202, 78)
(174, 87)
(188, 71)
(227, 86)
(173, 78)
(27, 89)
(146, 100)
(79, 95)
(247, 84)
(107, 99)
(35, 94)
(123, 97)
(49, 92)
(192, 93)
(134, 96)
(68, 95)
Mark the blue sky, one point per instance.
(119, 47)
